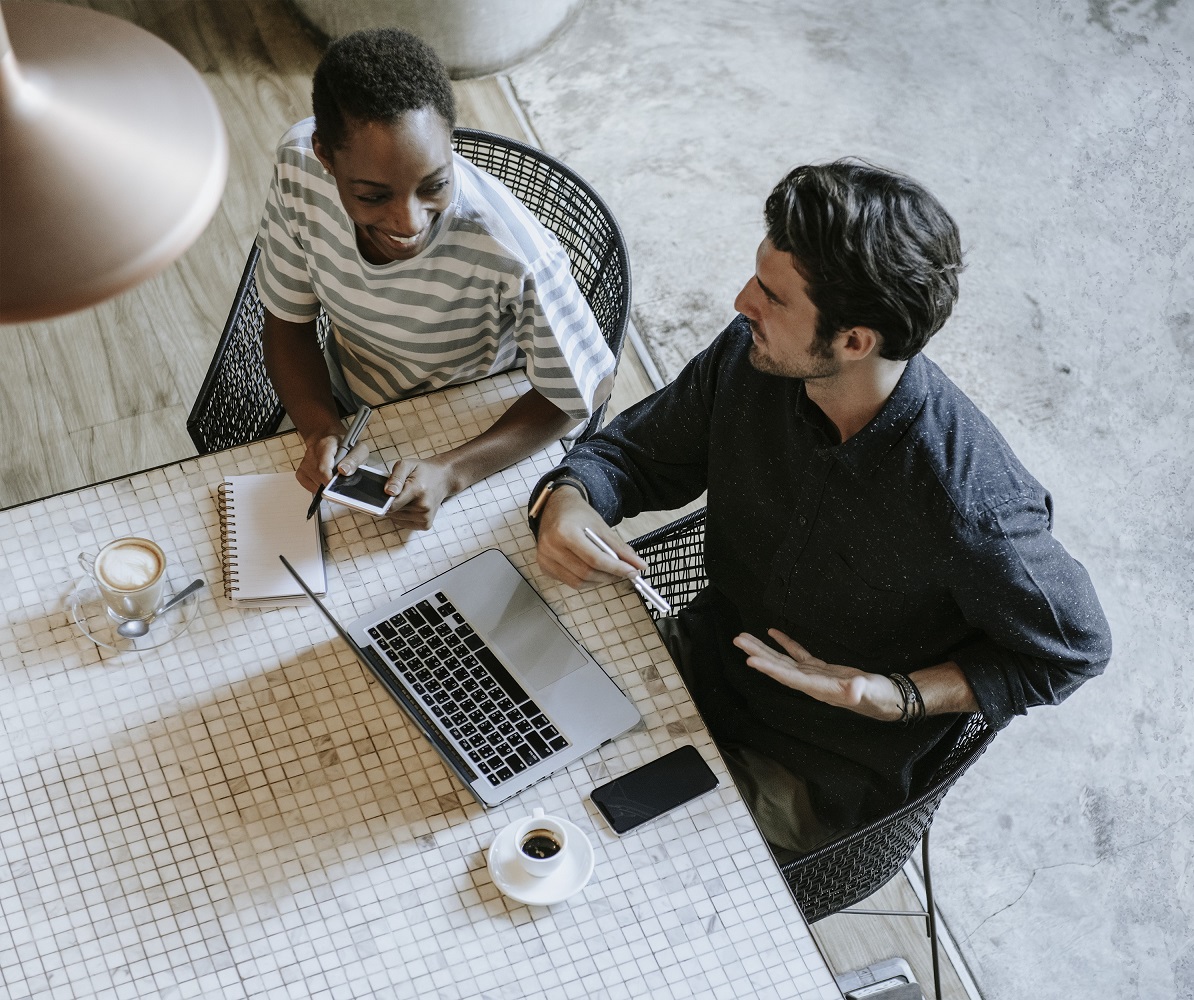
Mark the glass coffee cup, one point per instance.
(130, 574)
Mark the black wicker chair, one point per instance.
(836, 876)
(237, 403)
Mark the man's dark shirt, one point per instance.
(921, 539)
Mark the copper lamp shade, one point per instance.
(113, 158)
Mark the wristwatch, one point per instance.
(540, 494)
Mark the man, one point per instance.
(879, 561)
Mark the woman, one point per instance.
(431, 271)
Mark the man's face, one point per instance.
(394, 181)
(783, 320)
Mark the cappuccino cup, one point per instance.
(541, 844)
(130, 574)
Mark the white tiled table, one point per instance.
(244, 812)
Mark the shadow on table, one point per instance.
(266, 793)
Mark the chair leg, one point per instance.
(932, 913)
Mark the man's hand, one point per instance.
(315, 470)
(565, 552)
(419, 487)
(872, 695)
(943, 687)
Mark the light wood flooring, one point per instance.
(104, 393)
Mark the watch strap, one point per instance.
(542, 493)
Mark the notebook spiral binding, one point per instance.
(227, 539)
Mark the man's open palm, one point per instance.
(845, 687)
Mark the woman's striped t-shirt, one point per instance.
(492, 286)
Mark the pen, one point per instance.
(651, 595)
(359, 420)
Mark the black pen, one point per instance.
(354, 432)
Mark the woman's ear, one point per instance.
(322, 153)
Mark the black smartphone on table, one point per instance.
(654, 788)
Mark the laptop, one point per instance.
(489, 675)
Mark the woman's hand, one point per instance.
(315, 470)
(419, 487)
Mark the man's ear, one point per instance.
(859, 342)
(322, 153)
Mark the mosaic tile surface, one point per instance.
(244, 812)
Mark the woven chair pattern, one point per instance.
(852, 867)
(237, 402)
(849, 869)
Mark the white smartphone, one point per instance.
(363, 490)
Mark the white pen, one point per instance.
(650, 593)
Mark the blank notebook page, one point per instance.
(262, 517)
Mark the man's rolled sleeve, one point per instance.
(1043, 630)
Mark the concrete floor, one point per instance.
(1061, 136)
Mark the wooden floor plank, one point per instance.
(854, 941)
(139, 442)
(37, 458)
(104, 365)
(483, 103)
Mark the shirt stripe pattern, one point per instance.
(492, 289)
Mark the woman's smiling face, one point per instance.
(395, 179)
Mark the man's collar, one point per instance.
(865, 450)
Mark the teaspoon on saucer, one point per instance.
(137, 627)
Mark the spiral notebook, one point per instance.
(262, 517)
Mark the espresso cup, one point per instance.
(540, 844)
(130, 574)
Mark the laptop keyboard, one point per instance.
(460, 682)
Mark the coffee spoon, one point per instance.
(137, 627)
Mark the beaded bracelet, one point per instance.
(912, 707)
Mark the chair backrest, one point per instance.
(853, 866)
(237, 403)
(676, 554)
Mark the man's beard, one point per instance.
(817, 365)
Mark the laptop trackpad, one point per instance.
(533, 644)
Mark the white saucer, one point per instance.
(512, 879)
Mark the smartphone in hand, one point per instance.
(654, 788)
(363, 490)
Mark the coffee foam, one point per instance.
(128, 565)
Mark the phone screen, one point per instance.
(364, 486)
(653, 789)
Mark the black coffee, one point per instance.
(540, 844)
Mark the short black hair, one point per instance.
(874, 247)
(377, 76)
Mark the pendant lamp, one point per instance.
(113, 158)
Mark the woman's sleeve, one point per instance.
(568, 360)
